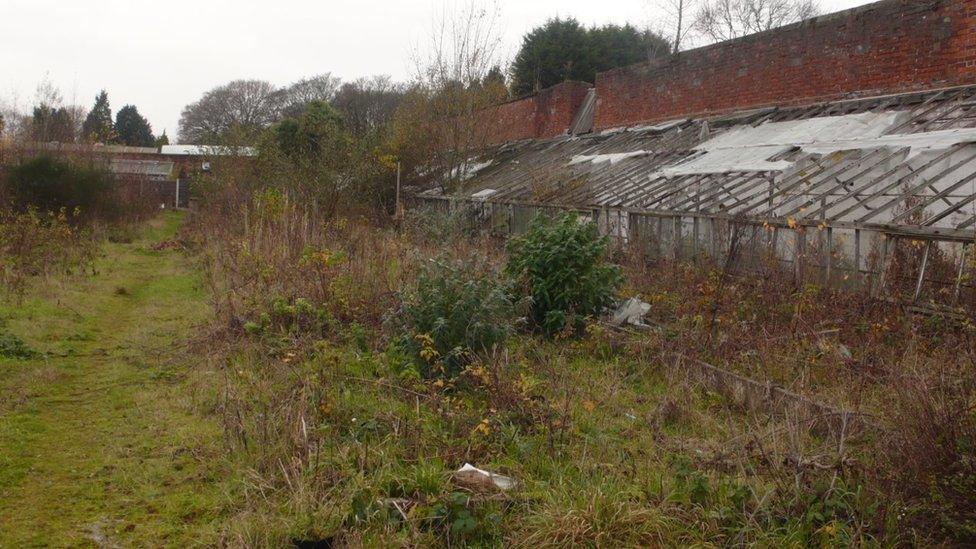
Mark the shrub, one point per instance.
(34, 244)
(50, 185)
(454, 311)
(561, 264)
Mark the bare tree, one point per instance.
(463, 46)
(720, 20)
(443, 122)
(677, 21)
(243, 107)
(368, 104)
(295, 97)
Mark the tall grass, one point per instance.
(612, 445)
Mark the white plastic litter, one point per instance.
(630, 312)
(472, 477)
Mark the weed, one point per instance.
(13, 347)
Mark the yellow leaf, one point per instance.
(483, 428)
(791, 222)
(588, 405)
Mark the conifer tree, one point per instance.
(132, 129)
(98, 127)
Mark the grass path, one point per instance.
(99, 443)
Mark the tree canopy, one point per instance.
(52, 124)
(98, 127)
(132, 129)
(162, 140)
(367, 105)
(317, 134)
(563, 49)
(242, 107)
(720, 20)
(292, 100)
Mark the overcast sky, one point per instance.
(162, 54)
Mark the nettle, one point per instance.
(561, 264)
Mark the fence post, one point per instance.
(799, 250)
(921, 272)
(883, 269)
(962, 271)
(677, 237)
(830, 255)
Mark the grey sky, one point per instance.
(163, 54)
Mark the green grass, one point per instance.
(98, 441)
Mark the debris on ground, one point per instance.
(630, 312)
(473, 478)
(165, 245)
(838, 350)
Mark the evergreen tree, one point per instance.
(162, 140)
(495, 77)
(97, 127)
(132, 129)
(563, 49)
(550, 54)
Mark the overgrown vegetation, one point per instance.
(35, 244)
(353, 363)
(353, 427)
(13, 347)
(54, 211)
(561, 265)
(452, 313)
(354, 366)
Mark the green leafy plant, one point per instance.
(561, 264)
(454, 311)
(13, 347)
(297, 316)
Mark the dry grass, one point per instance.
(614, 445)
(36, 245)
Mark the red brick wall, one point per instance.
(546, 114)
(886, 47)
